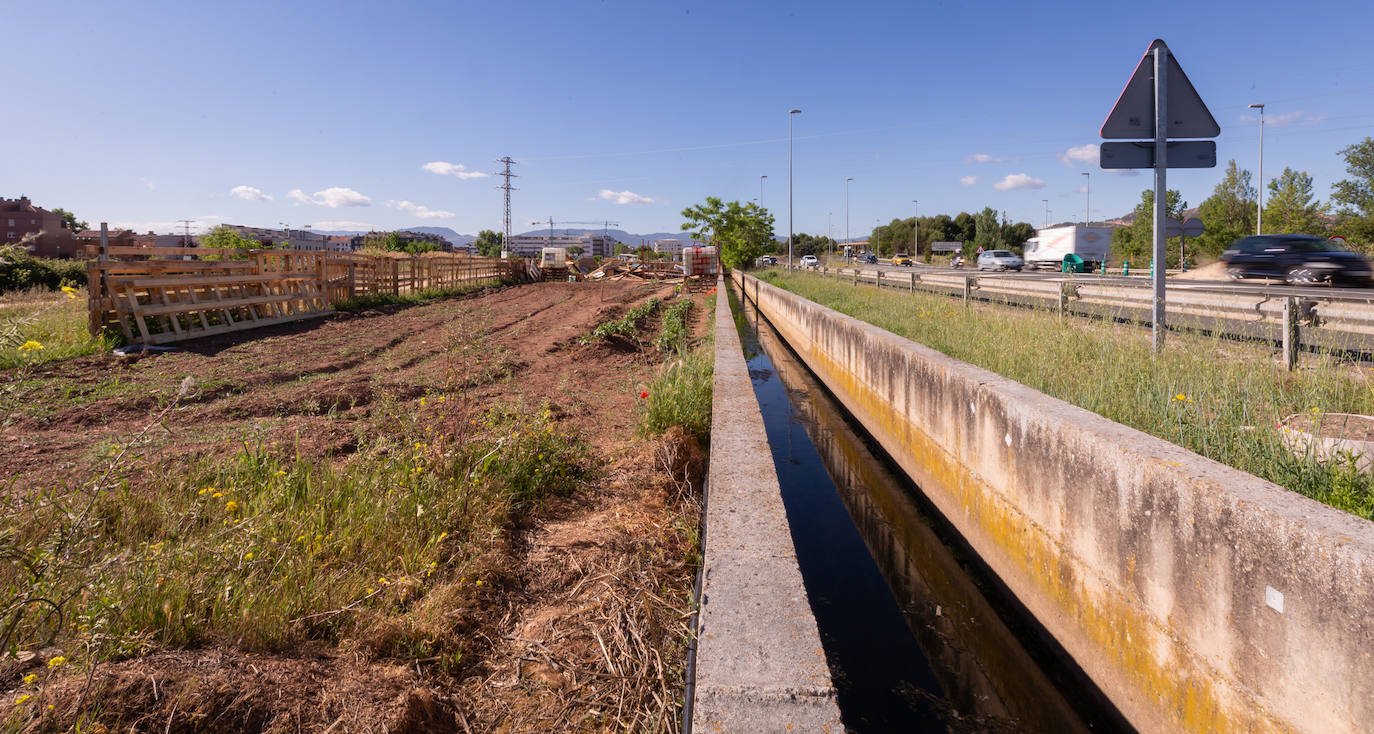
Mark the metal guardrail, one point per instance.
(1293, 318)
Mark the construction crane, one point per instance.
(605, 228)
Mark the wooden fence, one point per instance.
(156, 295)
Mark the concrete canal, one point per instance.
(918, 634)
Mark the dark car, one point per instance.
(1298, 259)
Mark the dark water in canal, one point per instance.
(919, 636)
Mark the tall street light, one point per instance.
(1087, 199)
(846, 211)
(830, 235)
(916, 230)
(1259, 205)
(789, 186)
(1046, 202)
(761, 178)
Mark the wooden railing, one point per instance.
(156, 295)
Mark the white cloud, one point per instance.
(1018, 181)
(148, 184)
(623, 197)
(332, 197)
(968, 180)
(422, 212)
(199, 225)
(1080, 154)
(1297, 117)
(344, 225)
(444, 168)
(983, 158)
(249, 193)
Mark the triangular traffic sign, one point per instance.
(1133, 117)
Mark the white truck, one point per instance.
(1049, 246)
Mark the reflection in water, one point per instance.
(974, 672)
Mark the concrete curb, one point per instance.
(1197, 597)
(760, 665)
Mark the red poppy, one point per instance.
(643, 395)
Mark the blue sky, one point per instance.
(145, 113)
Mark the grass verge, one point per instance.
(1219, 398)
(38, 326)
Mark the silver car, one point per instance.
(1000, 260)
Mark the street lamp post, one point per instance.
(830, 235)
(1046, 202)
(916, 230)
(1087, 199)
(789, 186)
(1259, 205)
(761, 178)
(846, 211)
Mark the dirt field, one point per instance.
(582, 620)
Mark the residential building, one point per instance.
(668, 247)
(115, 237)
(47, 235)
(529, 245)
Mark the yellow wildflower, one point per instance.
(57, 662)
(70, 291)
(441, 398)
(248, 556)
(383, 581)
(422, 402)
(204, 490)
(479, 582)
(20, 701)
(231, 506)
(30, 346)
(371, 591)
(217, 495)
(30, 678)
(281, 472)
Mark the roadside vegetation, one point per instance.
(1219, 398)
(21, 271)
(39, 326)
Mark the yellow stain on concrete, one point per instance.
(1098, 622)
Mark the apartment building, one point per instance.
(47, 235)
(529, 245)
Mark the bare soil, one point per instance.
(585, 631)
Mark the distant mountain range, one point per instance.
(463, 239)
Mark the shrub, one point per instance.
(20, 270)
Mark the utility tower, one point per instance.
(186, 237)
(506, 187)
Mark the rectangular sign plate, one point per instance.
(1182, 154)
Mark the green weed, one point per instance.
(1219, 398)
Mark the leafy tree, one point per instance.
(741, 231)
(1355, 195)
(987, 231)
(1290, 206)
(621, 248)
(488, 243)
(576, 250)
(1136, 242)
(1014, 236)
(70, 221)
(224, 238)
(965, 228)
(1229, 213)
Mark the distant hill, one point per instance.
(620, 235)
(446, 233)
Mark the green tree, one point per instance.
(70, 221)
(488, 243)
(1015, 235)
(965, 228)
(1135, 243)
(987, 231)
(576, 250)
(1229, 213)
(741, 231)
(1355, 195)
(1291, 208)
(224, 238)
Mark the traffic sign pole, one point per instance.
(1161, 190)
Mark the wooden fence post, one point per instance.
(913, 282)
(1291, 337)
(968, 289)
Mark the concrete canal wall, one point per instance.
(1198, 597)
(760, 666)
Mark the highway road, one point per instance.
(1257, 287)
